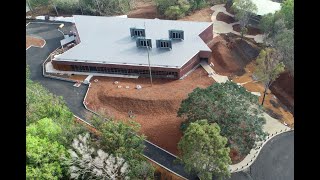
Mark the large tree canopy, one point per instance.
(243, 10)
(232, 107)
(204, 150)
(40, 103)
(287, 11)
(122, 139)
(284, 43)
(45, 159)
(268, 68)
(46, 128)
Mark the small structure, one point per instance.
(127, 87)
(116, 82)
(87, 80)
(138, 87)
(119, 87)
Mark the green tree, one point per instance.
(268, 23)
(163, 5)
(232, 107)
(45, 159)
(243, 9)
(40, 103)
(268, 68)
(46, 128)
(197, 4)
(173, 9)
(284, 43)
(287, 11)
(122, 139)
(204, 150)
(142, 170)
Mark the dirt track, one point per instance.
(33, 41)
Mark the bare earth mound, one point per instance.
(202, 15)
(224, 62)
(225, 18)
(251, 30)
(155, 108)
(33, 41)
(283, 88)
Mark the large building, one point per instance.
(115, 45)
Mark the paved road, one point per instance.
(275, 161)
(35, 57)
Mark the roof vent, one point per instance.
(143, 42)
(137, 32)
(164, 43)
(176, 34)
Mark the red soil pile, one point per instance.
(283, 88)
(33, 41)
(251, 30)
(202, 15)
(223, 60)
(225, 18)
(155, 108)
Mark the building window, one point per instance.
(176, 34)
(161, 43)
(142, 42)
(134, 32)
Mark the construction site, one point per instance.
(154, 104)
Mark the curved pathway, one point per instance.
(222, 27)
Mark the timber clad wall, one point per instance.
(207, 34)
(189, 65)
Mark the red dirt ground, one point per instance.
(251, 30)
(155, 108)
(223, 61)
(202, 15)
(34, 41)
(280, 111)
(147, 12)
(283, 88)
(225, 18)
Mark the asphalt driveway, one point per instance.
(35, 57)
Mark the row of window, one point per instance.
(124, 71)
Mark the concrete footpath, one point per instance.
(222, 27)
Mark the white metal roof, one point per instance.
(266, 6)
(107, 40)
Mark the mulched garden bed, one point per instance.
(225, 18)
